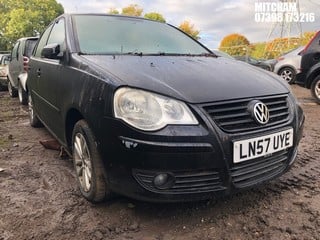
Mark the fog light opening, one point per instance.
(163, 181)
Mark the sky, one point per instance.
(214, 18)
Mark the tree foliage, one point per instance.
(235, 44)
(189, 28)
(132, 10)
(113, 11)
(20, 18)
(155, 16)
(307, 36)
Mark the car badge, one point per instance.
(260, 112)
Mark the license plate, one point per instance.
(262, 146)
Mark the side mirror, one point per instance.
(52, 51)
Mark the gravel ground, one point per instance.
(39, 198)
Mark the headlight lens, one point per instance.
(149, 111)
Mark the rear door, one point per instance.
(45, 74)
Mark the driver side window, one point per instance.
(55, 33)
(43, 41)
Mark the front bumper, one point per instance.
(197, 160)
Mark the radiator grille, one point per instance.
(252, 172)
(233, 116)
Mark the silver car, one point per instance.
(18, 67)
(288, 65)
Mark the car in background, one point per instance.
(288, 65)
(148, 112)
(222, 54)
(255, 62)
(4, 61)
(18, 68)
(309, 77)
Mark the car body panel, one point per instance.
(310, 59)
(161, 73)
(16, 73)
(255, 62)
(75, 86)
(4, 61)
(291, 59)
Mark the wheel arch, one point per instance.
(72, 117)
(286, 66)
(312, 74)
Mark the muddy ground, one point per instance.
(39, 198)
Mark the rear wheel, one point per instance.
(33, 118)
(12, 91)
(88, 164)
(315, 89)
(22, 94)
(288, 74)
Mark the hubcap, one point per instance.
(20, 93)
(317, 89)
(286, 75)
(10, 88)
(30, 106)
(82, 162)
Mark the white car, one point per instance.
(288, 65)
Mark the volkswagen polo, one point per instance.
(148, 112)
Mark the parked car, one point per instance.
(309, 77)
(222, 54)
(4, 60)
(18, 72)
(288, 65)
(148, 112)
(255, 62)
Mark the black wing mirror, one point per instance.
(52, 51)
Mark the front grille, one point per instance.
(233, 116)
(252, 172)
(185, 182)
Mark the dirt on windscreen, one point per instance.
(39, 198)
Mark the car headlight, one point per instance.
(149, 111)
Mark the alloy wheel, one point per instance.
(82, 162)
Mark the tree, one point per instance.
(21, 18)
(189, 29)
(155, 16)
(132, 10)
(258, 50)
(307, 36)
(235, 44)
(113, 11)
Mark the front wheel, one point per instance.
(22, 94)
(315, 89)
(88, 164)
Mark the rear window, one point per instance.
(30, 44)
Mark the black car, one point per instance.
(150, 113)
(255, 62)
(309, 77)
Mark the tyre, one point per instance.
(12, 91)
(22, 94)
(88, 164)
(288, 74)
(315, 89)
(33, 118)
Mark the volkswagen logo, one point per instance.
(260, 112)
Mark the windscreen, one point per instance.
(123, 35)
